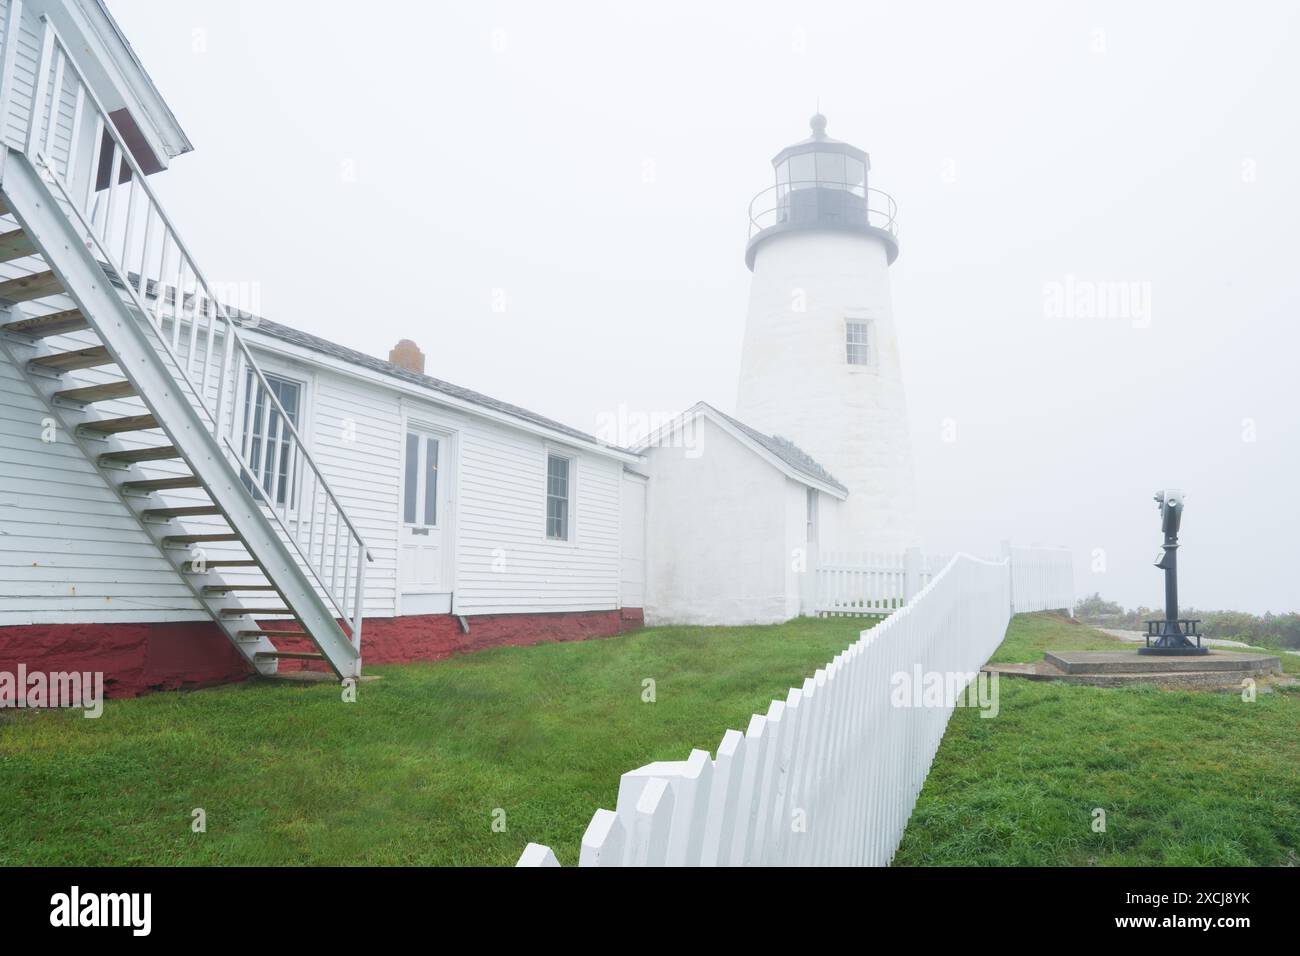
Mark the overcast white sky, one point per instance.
(378, 170)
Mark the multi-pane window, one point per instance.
(557, 497)
(811, 534)
(420, 488)
(856, 343)
(270, 460)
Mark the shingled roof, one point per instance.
(791, 457)
(308, 341)
(786, 450)
(286, 333)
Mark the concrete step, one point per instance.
(1130, 662)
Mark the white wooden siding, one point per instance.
(504, 561)
(70, 551)
(20, 101)
(355, 435)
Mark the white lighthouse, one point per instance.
(820, 363)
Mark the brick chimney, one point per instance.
(406, 354)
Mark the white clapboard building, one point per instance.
(733, 518)
(189, 492)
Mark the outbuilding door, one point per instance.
(423, 563)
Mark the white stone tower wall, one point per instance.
(795, 380)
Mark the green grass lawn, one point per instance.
(1185, 778)
(414, 771)
(410, 774)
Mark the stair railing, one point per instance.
(87, 161)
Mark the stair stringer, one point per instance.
(68, 256)
(20, 351)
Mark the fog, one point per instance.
(1097, 291)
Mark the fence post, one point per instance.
(1011, 573)
(911, 573)
(1070, 565)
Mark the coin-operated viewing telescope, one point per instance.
(1172, 635)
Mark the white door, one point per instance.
(424, 517)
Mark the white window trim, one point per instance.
(305, 379)
(872, 363)
(569, 455)
(444, 452)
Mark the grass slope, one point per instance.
(410, 774)
(1185, 778)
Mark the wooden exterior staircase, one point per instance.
(142, 367)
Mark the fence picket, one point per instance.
(726, 780)
(605, 840)
(652, 820)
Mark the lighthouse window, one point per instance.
(856, 341)
(830, 169)
(857, 175)
(803, 171)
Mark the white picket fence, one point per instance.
(866, 584)
(829, 776)
(1042, 579)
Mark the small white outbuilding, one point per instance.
(733, 520)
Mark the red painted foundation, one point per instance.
(431, 637)
(134, 658)
(139, 658)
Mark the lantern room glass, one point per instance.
(824, 170)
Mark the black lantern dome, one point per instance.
(821, 183)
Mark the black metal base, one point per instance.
(1174, 638)
(1189, 651)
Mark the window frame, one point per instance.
(812, 516)
(867, 345)
(425, 436)
(251, 388)
(571, 516)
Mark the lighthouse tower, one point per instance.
(820, 363)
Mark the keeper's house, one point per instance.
(188, 493)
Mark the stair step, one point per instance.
(255, 611)
(97, 393)
(178, 540)
(291, 655)
(188, 566)
(162, 484)
(157, 453)
(227, 588)
(263, 632)
(186, 512)
(15, 245)
(38, 285)
(115, 426)
(69, 361)
(56, 323)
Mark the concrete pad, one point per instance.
(1128, 662)
(1213, 671)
